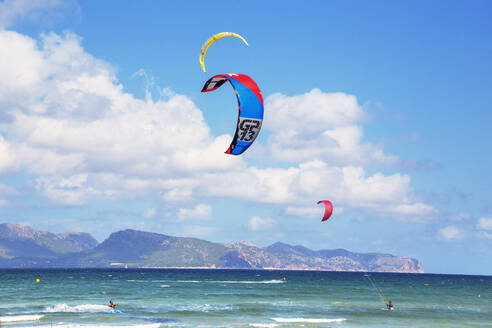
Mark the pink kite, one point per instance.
(328, 209)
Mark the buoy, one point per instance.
(37, 280)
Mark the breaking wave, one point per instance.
(78, 308)
(308, 320)
(62, 325)
(20, 318)
(274, 281)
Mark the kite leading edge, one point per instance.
(212, 39)
(250, 102)
(328, 209)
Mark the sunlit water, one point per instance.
(240, 298)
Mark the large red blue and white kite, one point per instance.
(250, 102)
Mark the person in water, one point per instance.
(389, 305)
(112, 305)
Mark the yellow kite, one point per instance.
(212, 40)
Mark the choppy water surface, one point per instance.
(236, 298)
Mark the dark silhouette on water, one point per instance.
(112, 305)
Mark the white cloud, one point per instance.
(305, 212)
(484, 223)
(484, 235)
(199, 231)
(66, 120)
(200, 212)
(64, 116)
(484, 227)
(461, 216)
(257, 223)
(449, 233)
(314, 110)
(311, 212)
(320, 125)
(69, 191)
(78, 189)
(11, 10)
(8, 191)
(149, 213)
(312, 181)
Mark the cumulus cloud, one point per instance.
(257, 223)
(449, 233)
(484, 235)
(320, 125)
(347, 186)
(311, 212)
(12, 10)
(461, 216)
(199, 231)
(66, 120)
(149, 213)
(305, 212)
(484, 223)
(8, 191)
(484, 227)
(200, 212)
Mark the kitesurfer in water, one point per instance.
(389, 305)
(112, 305)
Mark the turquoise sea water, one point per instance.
(237, 298)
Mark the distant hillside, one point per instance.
(139, 249)
(299, 257)
(22, 246)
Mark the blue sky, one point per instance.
(387, 104)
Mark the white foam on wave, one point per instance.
(204, 307)
(65, 325)
(263, 325)
(192, 281)
(308, 320)
(20, 318)
(165, 286)
(78, 308)
(235, 281)
(251, 282)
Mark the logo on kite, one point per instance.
(328, 209)
(214, 38)
(250, 102)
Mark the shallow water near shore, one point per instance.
(240, 298)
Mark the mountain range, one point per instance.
(22, 246)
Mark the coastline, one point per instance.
(211, 268)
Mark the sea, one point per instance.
(152, 298)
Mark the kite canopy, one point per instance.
(250, 102)
(328, 209)
(214, 38)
